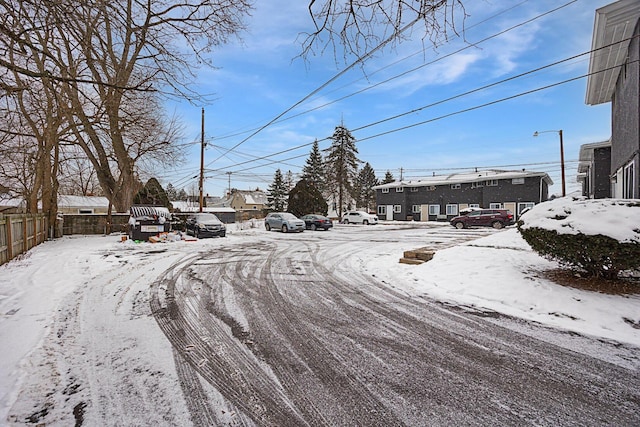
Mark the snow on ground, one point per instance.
(498, 272)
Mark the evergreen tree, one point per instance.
(305, 198)
(365, 195)
(152, 194)
(388, 178)
(313, 171)
(182, 195)
(289, 180)
(341, 166)
(172, 194)
(277, 192)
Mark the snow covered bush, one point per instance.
(601, 237)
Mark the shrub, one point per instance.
(598, 255)
(600, 237)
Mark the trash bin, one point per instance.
(147, 221)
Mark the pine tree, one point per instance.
(341, 166)
(313, 171)
(364, 192)
(152, 194)
(172, 194)
(182, 195)
(305, 198)
(277, 193)
(388, 178)
(289, 180)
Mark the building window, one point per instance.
(434, 209)
(455, 186)
(517, 181)
(397, 208)
(628, 177)
(495, 205)
(399, 189)
(416, 209)
(524, 205)
(85, 211)
(431, 188)
(382, 210)
(474, 205)
(385, 190)
(414, 189)
(492, 183)
(452, 210)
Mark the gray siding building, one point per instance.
(441, 197)
(594, 170)
(614, 76)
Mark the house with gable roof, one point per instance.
(441, 197)
(242, 200)
(614, 77)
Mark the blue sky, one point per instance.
(259, 77)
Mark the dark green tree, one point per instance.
(152, 194)
(182, 195)
(313, 170)
(172, 194)
(277, 192)
(365, 195)
(305, 198)
(341, 166)
(388, 178)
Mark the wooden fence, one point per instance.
(19, 233)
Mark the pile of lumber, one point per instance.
(417, 256)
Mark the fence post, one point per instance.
(9, 239)
(25, 236)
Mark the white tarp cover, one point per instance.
(149, 211)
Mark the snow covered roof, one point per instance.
(465, 177)
(7, 200)
(253, 197)
(66, 201)
(187, 206)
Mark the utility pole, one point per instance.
(229, 173)
(564, 188)
(202, 161)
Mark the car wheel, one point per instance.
(284, 229)
(459, 225)
(196, 233)
(345, 221)
(497, 225)
(223, 234)
(365, 222)
(313, 227)
(267, 226)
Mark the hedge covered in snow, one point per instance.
(599, 236)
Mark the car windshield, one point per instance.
(206, 217)
(288, 216)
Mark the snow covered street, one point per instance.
(265, 328)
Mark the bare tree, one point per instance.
(360, 26)
(107, 60)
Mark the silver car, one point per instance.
(283, 221)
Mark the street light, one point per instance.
(536, 133)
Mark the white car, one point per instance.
(359, 217)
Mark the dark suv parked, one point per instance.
(496, 218)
